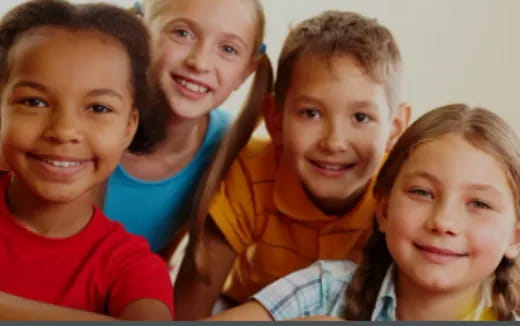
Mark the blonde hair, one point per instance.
(338, 33)
(486, 131)
(236, 137)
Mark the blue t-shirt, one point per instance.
(155, 209)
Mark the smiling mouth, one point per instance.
(333, 167)
(439, 251)
(60, 162)
(191, 85)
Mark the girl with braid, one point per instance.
(446, 239)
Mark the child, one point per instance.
(307, 194)
(200, 56)
(446, 240)
(72, 80)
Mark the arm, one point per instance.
(199, 297)
(17, 308)
(249, 311)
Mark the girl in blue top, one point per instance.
(200, 56)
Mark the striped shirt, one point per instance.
(266, 216)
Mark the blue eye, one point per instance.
(229, 49)
(421, 192)
(361, 117)
(182, 33)
(479, 204)
(310, 113)
(98, 108)
(33, 102)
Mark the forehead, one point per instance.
(237, 17)
(85, 57)
(341, 79)
(454, 160)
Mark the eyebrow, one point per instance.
(422, 174)
(305, 98)
(94, 92)
(30, 84)
(105, 91)
(432, 178)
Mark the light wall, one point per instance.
(453, 50)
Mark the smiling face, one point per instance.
(336, 125)
(450, 216)
(200, 58)
(66, 111)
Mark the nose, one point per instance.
(199, 58)
(63, 126)
(334, 138)
(445, 219)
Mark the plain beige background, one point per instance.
(453, 50)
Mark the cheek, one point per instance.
(232, 74)
(110, 141)
(295, 141)
(490, 238)
(404, 217)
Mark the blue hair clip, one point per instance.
(263, 48)
(138, 8)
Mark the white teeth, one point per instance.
(332, 167)
(63, 164)
(192, 86)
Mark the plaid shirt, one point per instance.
(320, 289)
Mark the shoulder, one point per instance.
(318, 289)
(253, 171)
(116, 240)
(219, 122)
(259, 158)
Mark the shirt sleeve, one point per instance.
(233, 208)
(138, 274)
(319, 289)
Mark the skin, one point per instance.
(193, 50)
(63, 128)
(335, 128)
(451, 196)
(449, 220)
(319, 121)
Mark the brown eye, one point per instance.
(310, 113)
(33, 102)
(361, 117)
(98, 108)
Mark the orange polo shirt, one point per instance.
(273, 226)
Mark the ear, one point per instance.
(514, 248)
(273, 119)
(400, 122)
(131, 127)
(382, 212)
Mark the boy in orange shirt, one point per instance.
(306, 194)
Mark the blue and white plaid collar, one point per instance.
(386, 302)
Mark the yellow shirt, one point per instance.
(272, 225)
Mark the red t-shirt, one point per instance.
(101, 269)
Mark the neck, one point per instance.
(417, 303)
(49, 219)
(338, 207)
(183, 134)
